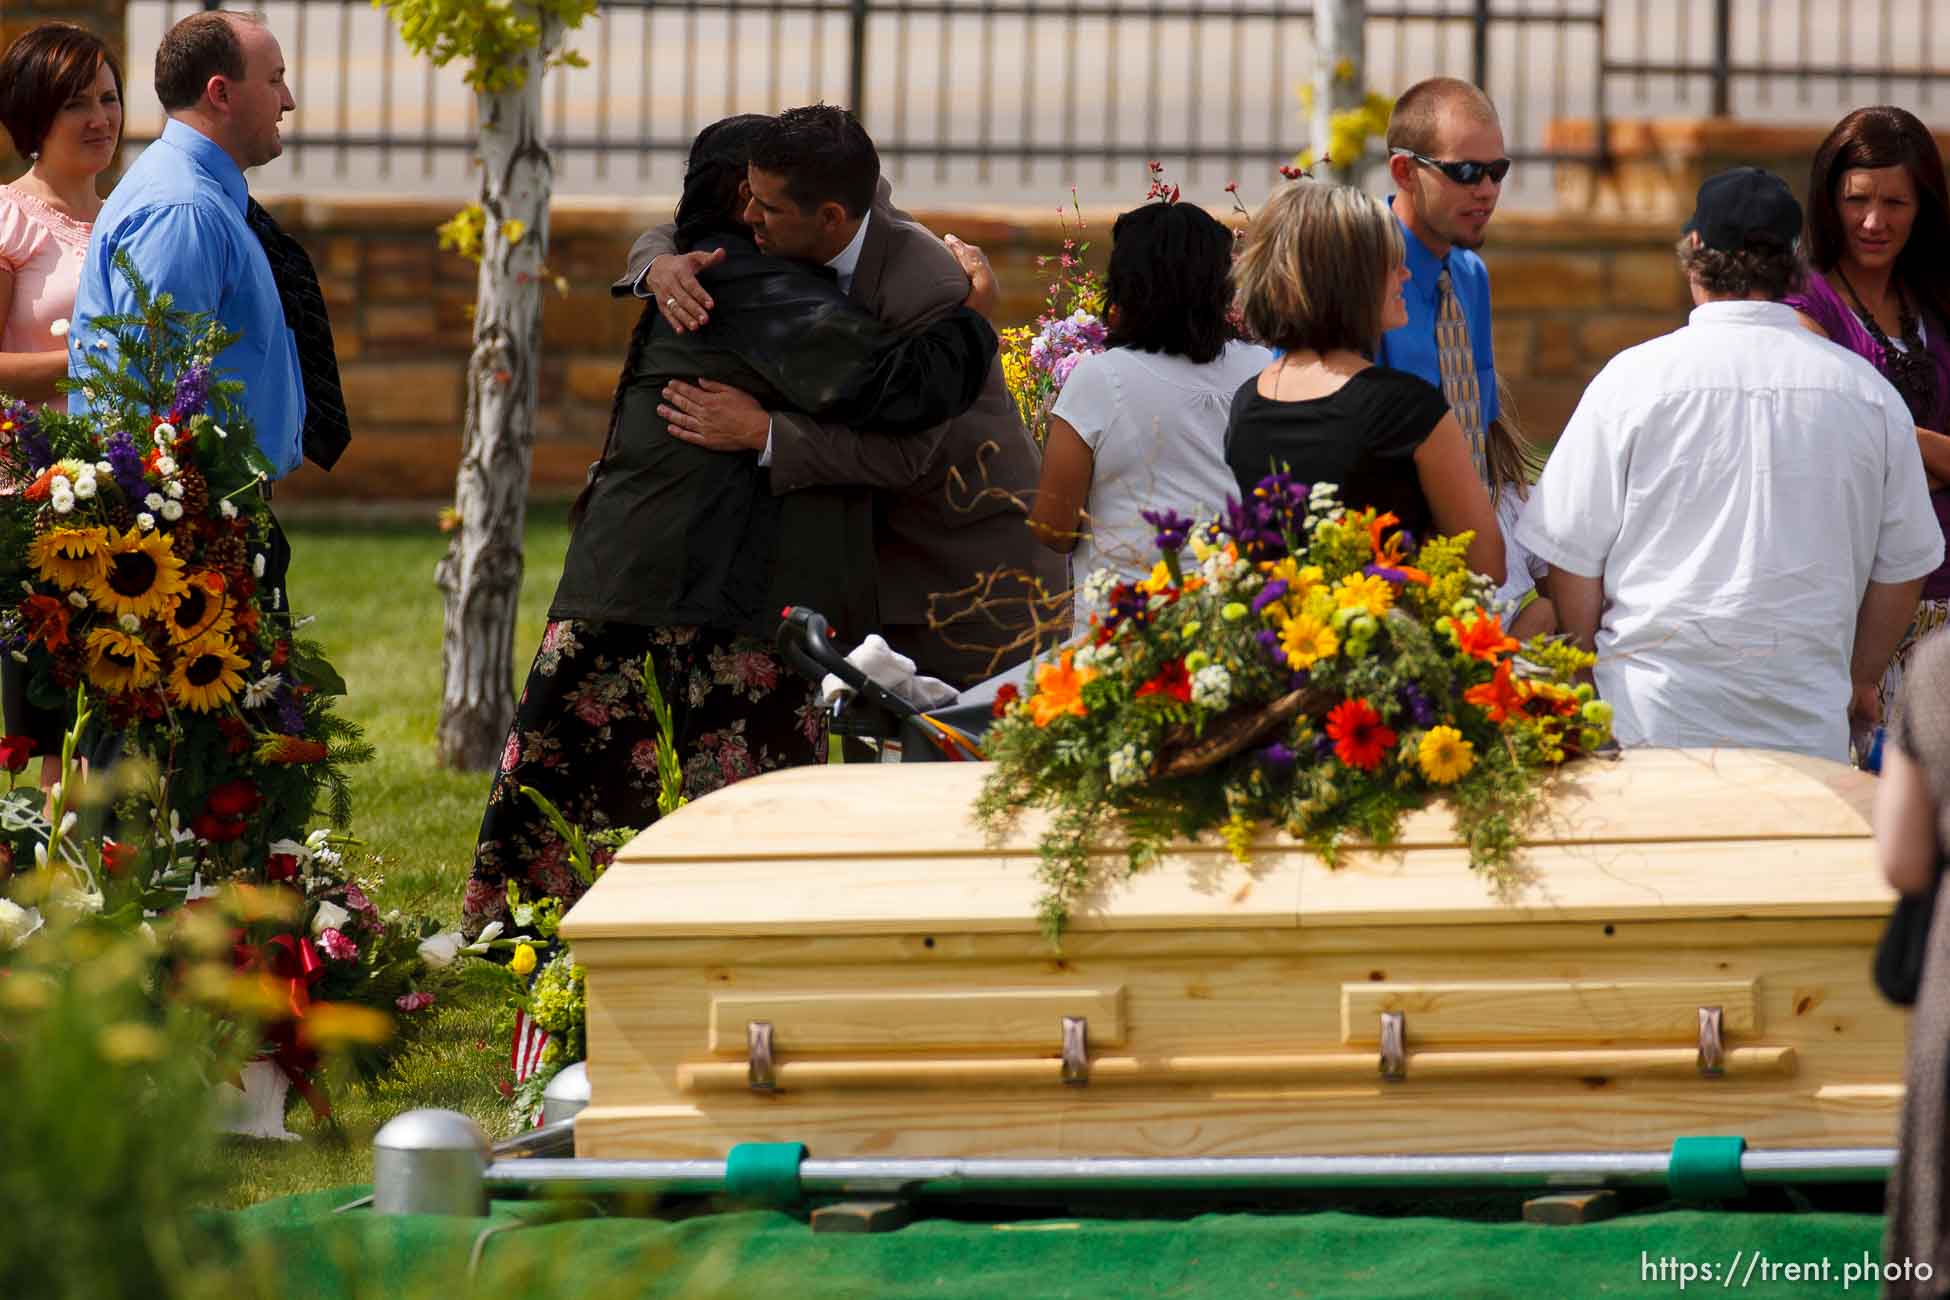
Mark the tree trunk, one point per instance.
(480, 575)
(1340, 75)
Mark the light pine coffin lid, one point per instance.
(891, 849)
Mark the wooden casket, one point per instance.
(836, 956)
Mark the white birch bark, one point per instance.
(480, 576)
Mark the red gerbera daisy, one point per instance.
(1359, 738)
(1172, 682)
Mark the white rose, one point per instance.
(17, 923)
(442, 950)
(165, 465)
(145, 521)
(173, 490)
(154, 500)
(330, 916)
(172, 510)
(103, 467)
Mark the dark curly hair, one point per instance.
(712, 177)
(825, 156)
(1885, 136)
(1167, 281)
(1743, 273)
(41, 71)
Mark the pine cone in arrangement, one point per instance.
(196, 492)
(225, 551)
(121, 516)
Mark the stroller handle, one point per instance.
(805, 642)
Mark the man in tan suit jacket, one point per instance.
(949, 502)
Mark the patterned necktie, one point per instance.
(1457, 362)
(327, 428)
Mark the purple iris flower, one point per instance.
(1255, 528)
(1173, 528)
(1420, 711)
(1278, 756)
(1271, 592)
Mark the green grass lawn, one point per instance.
(370, 585)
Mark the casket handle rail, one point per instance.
(1712, 1049)
(760, 1076)
(1076, 1051)
(1394, 1052)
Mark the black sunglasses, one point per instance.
(1462, 173)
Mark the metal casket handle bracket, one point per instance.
(759, 1072)
(1394, 1050)
(1712, 1046)
(1076, 1051)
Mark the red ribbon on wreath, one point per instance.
(292, 960)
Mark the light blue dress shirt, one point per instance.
(1412, 346)
(179, 213)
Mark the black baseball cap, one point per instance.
(1745, 208)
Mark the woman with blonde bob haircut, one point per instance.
(1321, 278)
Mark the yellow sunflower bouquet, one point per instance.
(136, 538)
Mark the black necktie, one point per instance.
(327, 430)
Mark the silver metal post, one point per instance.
(566, 1094)
(430, 1162)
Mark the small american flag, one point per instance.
(525, 1055)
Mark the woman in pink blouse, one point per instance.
(61, 103)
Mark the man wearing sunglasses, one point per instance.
(1445, 148)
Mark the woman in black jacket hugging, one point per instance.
(684, 556)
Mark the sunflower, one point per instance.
(207, 673)
(1365, 591)
(120, 661)
(1306, 641)
(144, 575)
(70, 557)
(1444, 755)
(202, 610)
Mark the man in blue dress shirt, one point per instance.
(1446, 158)
(179, 212)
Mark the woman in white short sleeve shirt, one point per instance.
(1141, 426)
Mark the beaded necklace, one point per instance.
(1910, 369)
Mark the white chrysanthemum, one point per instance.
(173, 490)
(59, 329)
(172, 510)
(105, 469)
(145, 521)
(62, 502)
(165, 465)
(259, 693)
(1095, 656)
(154, 500)
(227, 509)
(84, 487)
(1212, 687)
(130, 623)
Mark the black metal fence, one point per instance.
(1010, 98)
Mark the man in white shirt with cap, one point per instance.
(1736, 517)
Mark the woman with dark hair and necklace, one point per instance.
(1878, 253)
(682, 556)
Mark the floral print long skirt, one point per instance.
(584, 736)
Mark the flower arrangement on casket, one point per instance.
(1302, 664)
(135, 537)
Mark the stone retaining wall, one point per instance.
(1569, 294)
